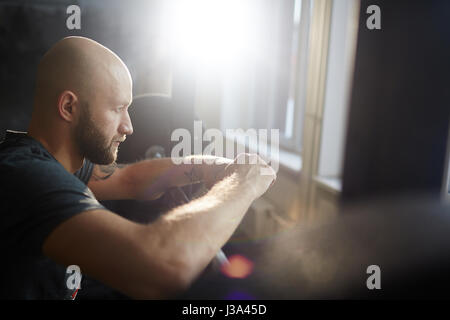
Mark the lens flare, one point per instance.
(238, 295)
(238, 267)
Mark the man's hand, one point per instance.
(210, 169)
(251, 171)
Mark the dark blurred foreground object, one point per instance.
(407, 237)
(398, 122)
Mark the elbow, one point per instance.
(179, 277)
(169, 267)
(163, 278)
(165, 285)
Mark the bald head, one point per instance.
(83, 91)
(80, 65)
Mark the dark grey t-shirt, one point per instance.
(36, 195)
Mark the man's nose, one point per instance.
(125, 126)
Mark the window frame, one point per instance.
(445, 193)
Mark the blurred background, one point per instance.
(362, 114)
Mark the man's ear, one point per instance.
(68, 103)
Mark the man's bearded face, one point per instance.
(94, 144)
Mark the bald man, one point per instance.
(54, 175)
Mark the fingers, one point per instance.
(254, 159)
(250, 158)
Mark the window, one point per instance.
(268, 91)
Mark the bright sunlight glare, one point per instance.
(213, 32)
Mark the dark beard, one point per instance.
(91, 142)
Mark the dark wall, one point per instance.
(400, 105)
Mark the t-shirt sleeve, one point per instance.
(42, 195)
(85, 172)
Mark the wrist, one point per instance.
(242, 187)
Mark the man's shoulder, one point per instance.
(22, 155)
(27, 168)
(24, 161)
(17, 149)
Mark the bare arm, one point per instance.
(110, 182)
(149, 179)
(157, 260)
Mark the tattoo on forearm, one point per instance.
(191, 175)
(105, 171)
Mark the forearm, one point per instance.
(150, 178)
(193, 233)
